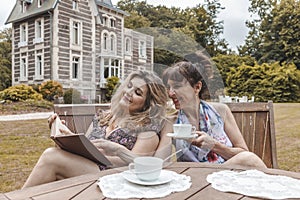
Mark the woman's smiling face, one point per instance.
(181, 93)
(134, 95)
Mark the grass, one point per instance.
(22, 142)
(287, 126)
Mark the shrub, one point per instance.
(20, 92)
(111, 83)
(51, 89)
(72, 96)
(225, 63)
(280, 83)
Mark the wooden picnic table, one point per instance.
(85, 186)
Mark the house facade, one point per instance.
(78, 43)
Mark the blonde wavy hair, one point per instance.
(154, 109)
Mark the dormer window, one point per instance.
(23, 6)
(75, 4)
(40, 3)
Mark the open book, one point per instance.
(76, 143)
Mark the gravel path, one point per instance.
(40, 115)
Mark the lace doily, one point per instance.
(256, 184)
(116, 187)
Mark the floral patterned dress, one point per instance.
(211, 123)
(121, 136)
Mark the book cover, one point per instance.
(76, 143)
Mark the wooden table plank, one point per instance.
(3, 197)
(93, 191)
(198, 183)
(67, 193)
(210, 193)
(51, 187)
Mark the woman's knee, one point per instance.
(51, 155)
(248, 159)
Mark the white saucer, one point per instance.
(165, 177)
(182, 137)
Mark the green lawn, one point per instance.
(22, 142)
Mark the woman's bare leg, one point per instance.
(55, 164)
(248, 159)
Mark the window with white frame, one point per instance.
(75, 4)
(128, 46)
(23, 69)
(111, 67)
(23, 35)
(39, 31)
(105, 41)
(75, 67)
(142, 49)
(76, 33)
(23, 6)
(104, 20)
(39, 66)
(112, 42)
(23, 32)
(40, 3)
(112, 22)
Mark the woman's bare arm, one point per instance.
(119, 155)
(232, 131)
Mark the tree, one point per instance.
(5, 58)
(199, 23)
(277, 37)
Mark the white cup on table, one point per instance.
(183, 130)
(146, 168)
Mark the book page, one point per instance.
(56, 126)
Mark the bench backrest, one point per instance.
(256, 123)
(78, 117)
(255, 120)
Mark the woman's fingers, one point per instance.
(51, 119)
(204, 140)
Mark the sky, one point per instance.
(234, 16)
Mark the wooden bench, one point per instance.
(255, 120)
(256, 123)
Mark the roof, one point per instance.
(108, 4)
(32, 10)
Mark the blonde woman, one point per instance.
(130, 128)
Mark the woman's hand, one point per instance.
(63, 129)
(204, 141)
(109, 148)
(52, 118)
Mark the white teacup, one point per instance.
(146, 168)
(183, 130)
